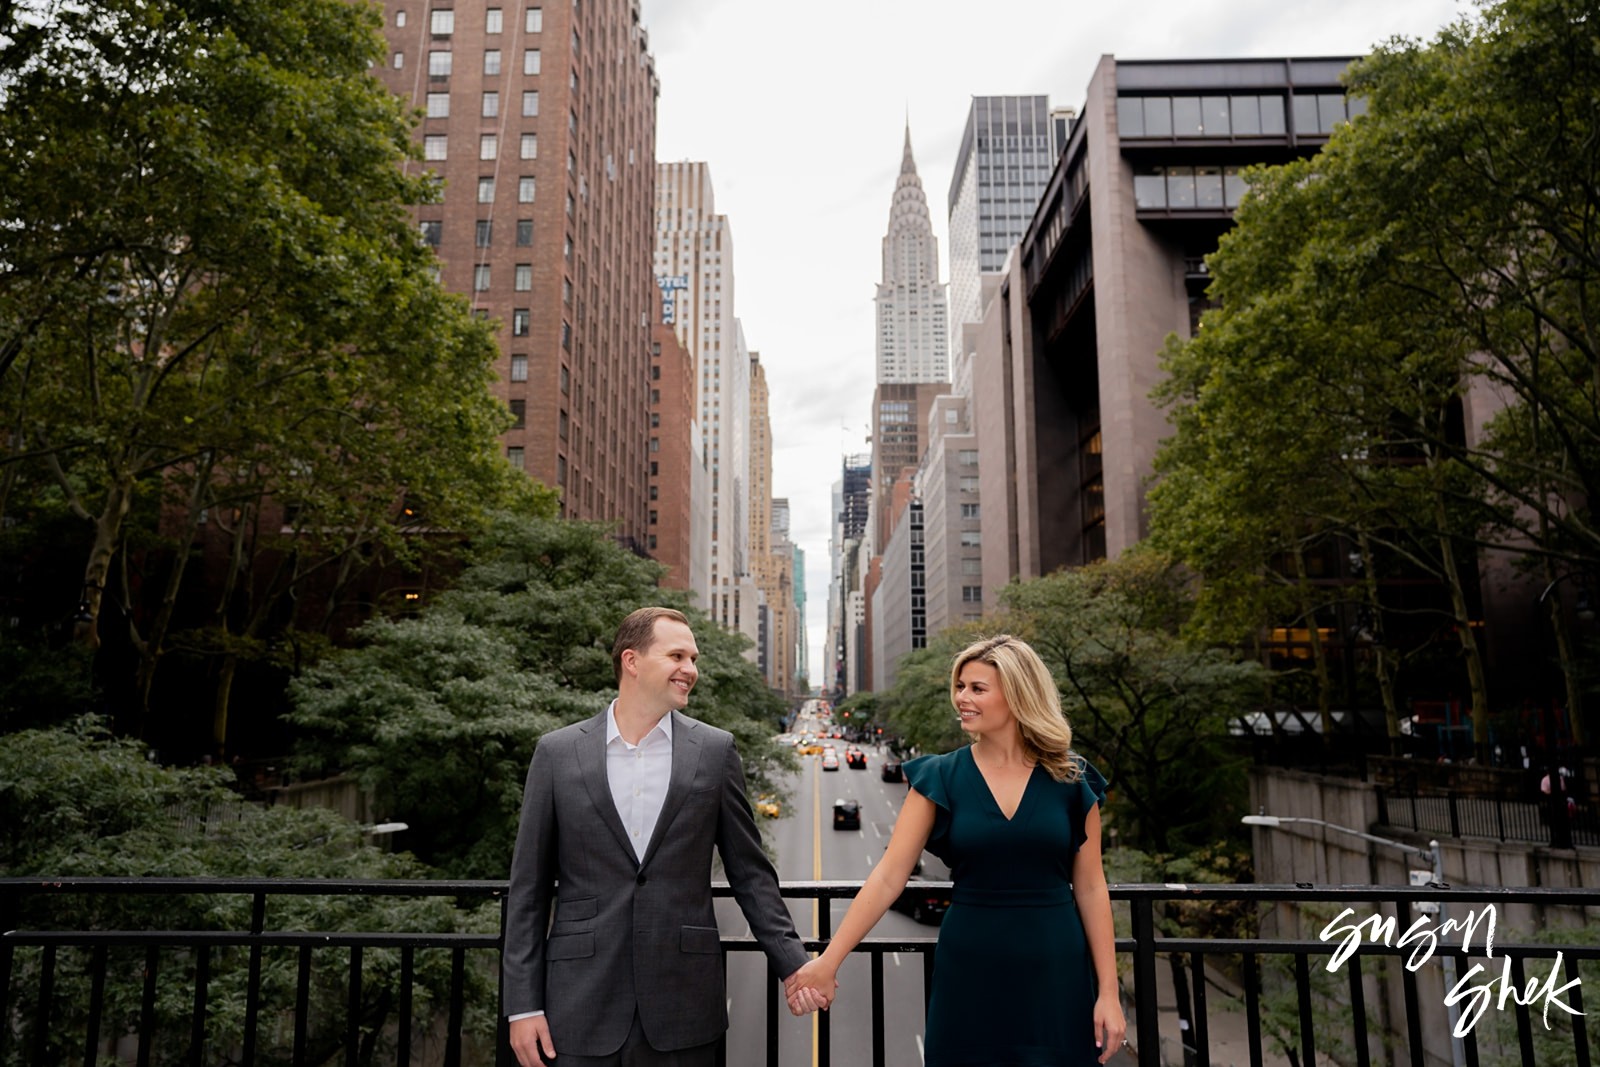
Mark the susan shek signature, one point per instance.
(1423, 938)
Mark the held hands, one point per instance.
(1110, 1027)
(810, 988)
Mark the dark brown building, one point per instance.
(540, 119)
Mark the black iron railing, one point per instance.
(1453, 814)
(254, 992)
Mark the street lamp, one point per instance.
(1432, 855)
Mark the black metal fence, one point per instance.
(383, 989)
(1453, 814)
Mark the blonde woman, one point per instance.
(1025, 969)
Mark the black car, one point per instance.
(923, 902)
(892, 771)
(846, 814)
(855, 759)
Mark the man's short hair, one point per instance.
(638, 632)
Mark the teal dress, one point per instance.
(1013, 984)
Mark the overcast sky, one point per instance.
(800, 109)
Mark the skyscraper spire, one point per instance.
(908, 165)
(911, 301)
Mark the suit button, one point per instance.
(640, 879)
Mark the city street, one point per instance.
(809, 849)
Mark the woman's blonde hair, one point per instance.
(1032, 696)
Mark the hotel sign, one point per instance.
(669, 285)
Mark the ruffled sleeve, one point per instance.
(928, 776)
(1086, 792)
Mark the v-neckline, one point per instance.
(994, 800)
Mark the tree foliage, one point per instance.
(216, 320)
(439, 714)
(79, 803)
(1402, 366)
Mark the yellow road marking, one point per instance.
(816, 876)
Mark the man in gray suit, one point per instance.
(619, 817)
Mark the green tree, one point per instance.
(439, 715)
(218, 301)
(81, 804)
(1422, 294)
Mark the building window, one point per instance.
(530, 104)
(524, 233)
(968, 457)
(480, 278)
(655, 396)
(491, 105)
(485, 190)
(566, 381)
(514, 454)
(972, 566)
(432, 232)
(399, 60)
(969, 483)
(652, 542)
(655, 492)
(525, 190)
(520, 319)
(530, 146)
(492, 20)
(519, 368)
(444, 23)
(969, 538)
(530, 61)
(655, 446)
(566, 336)
(566, 290)
(488, 146)
(655, 420)
(438, 105)
(491, 62)
(969, 511)
(524, 277)
(561, 470)
(438, 64)
(652, 516)
(566, 249)
(484, 234)
(563, 426)
(433, 146)
(535, 20)
(399, 18)
(972, 594)
(519, 414)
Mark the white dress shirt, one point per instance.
(638, 776)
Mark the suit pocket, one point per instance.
(701, 939)
(577, 909)
(569, 947)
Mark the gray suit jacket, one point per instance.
(627, 934)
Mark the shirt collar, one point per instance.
(613, 734)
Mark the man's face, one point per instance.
(665, 672)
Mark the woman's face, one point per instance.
(980, 701)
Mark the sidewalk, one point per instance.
(1227, 1029)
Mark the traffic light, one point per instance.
(880, 731)
(847, 714)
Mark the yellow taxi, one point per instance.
(768, 806)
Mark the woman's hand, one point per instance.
(811, 987)
(1110, 1027)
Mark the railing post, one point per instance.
(1455, 815)
(1144, 980)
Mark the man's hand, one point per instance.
(810, 989)
(530, 1040)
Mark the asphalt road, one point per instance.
(809, 849)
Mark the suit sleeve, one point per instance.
(533, 874)
(754, 882)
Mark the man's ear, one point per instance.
(630, 661)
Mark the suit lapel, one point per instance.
(686, 750)
(592, 764)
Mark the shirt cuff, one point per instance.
(522, 1015)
